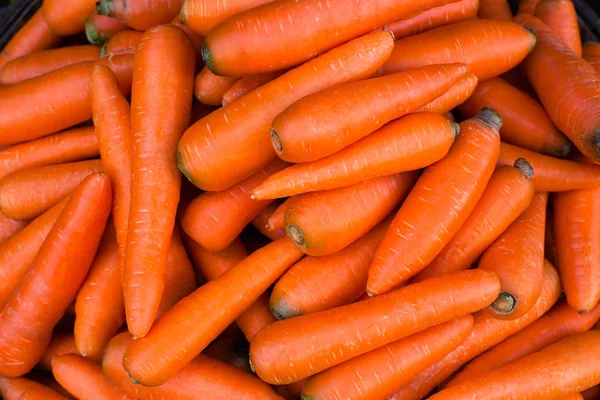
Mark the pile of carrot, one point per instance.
(300, 199)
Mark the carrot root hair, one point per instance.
(504, 304)
(525, 167)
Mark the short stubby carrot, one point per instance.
(488, 47)
(160, 112)
(508, 193)
(28, 193)
(561, 17)
(552, 174)
(455, 96)
(209, 88)
(67, 17)
(526, 123)
(527, 6)
(434, 17)
(288, 33)
(58, 271)
(247, 84)
(140, 14)
(261, 220)
(209, 157)
(9, 227)
(494, 9)
(320, 283)
(568, 89)
(440, 202)
(100, 28)
(24, 388)
(124, 41)
(204, 314)
(280, 354)
(410, 143)
(323, 123)
(322, 223)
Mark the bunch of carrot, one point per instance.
(384, 200)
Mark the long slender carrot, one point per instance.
(280, 354)
(124, 41)
(9, 227)
(558, 323)
(506, 196)
(209, 88)
(207, 153)
(379, 373)
(28, 193)
(56, 274)
(34, 36)
(100, 28)
(494, 9)
(160, 113)
(439, 204)
(289, 34)
(487, 332)
(527, 6)
(202, 378)
(552, 174)
(261, 220)
(140, 14)
(434, 17)
(67, 17)
(247, 84)
(23, 388)
(204, 314)
(561, 17)
(215, 219)
(455, 96)
(488, 47)
(412, 142)
(323, 123)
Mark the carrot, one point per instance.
(576, 237)
(323, 123)
(527, 6)
(100, 28)
(207, 153)
(209, 88)
(34, 36)
(23, 388)
(558, 323)
(455, 96)
(487, 332)
(160, 113)
(289, 33)
(380, 372)
(140, 14)
(124, 41)
(213, 264)
(261, 220)
(26, 111)
(42, 62)
(508, 193)
(434, 17)
(204, 314)
(552, 174)
(426, 222)
(61, 344)
(412, 142)
(280, 354)
(202, 378)
(67, 18)
(494, 9)
(28, 193)
(561, 17)
(594, 61)
(56, 274)
(233, 351)
(195, 38)
(564, 368)
(247, 84)
(321, 283)
(275, 223)
(488, 47)
(9, 227)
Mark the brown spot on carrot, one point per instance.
(277, 145)
(296, 235)
(490, 117)
(525, 167)
(504, 304)
(455, 129)
(207, 57)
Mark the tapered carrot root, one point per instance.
(247, 84)
(67, 17)
(561, 17)
(100, 28)
(260, 222)
(140, 14)
(123, 42)
(23, 388)
(494, 9)
(61, 344)
(209, 88)
(28, 193)
(9, 227)
(455, 96)
(275, 222)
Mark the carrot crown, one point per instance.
(525, 167)
(490, 117)
(105, 7)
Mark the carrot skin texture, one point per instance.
(9, 227)
(100, 28)
(408, 246)
(58, 271)
(247, 84)
(140, 14)
(383, 371)
(160, 114)
(494, 9)
(28, 193)
(200, 320)
(526, 123)
(248, 118)
(195, 38)
(455, 96)
(209, 88)
(561, 17)
(261, 220)
(124, 41)
(23, 388)
(67, 17)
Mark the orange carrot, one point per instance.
(552, 174)
(280, 354)
(9, 227)
(410, 143)
(60, 344)
(494, 9)
(323, 123)
(275, 223)
(204, 314)
(381, 372)
(527, 6)
(195, 38)
(140, 14)
(124, 41)
(34, 36)
(160, 113)
(56, 274)
(455, 96)
(215, 219)
(202, 378)
(209, 88)
(42, 62)
(426, 222)
(100, 28)
(289, 34)
(247, 84)
(261, 220)
(23, 388)
(28, 193)
(591, 49)
(434, 17)
(72, 145)
(67, 17)
(568, 89)
(558, 323)
(561, 17)
(207, 153)
(506, 196)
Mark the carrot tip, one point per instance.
(525, 167)
(504, 304)
(490, 117)
(455, 129)
(277, 145)
(104, 7)
(296, 235)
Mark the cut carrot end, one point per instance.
(183, 11)
(306, 397)
(296, 235)
(283, 310)
(490, 117)
(525, 167)
(532, 32)
(92, 34)
(132, 379)
(206, 56)
(277, 145)
(104, 7)
(455, 129)
(504, 304)
(251, 365)
(564, 150)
